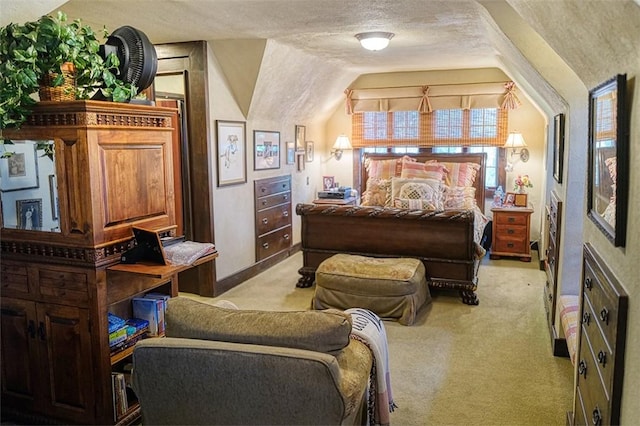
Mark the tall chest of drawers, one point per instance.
(602, 344)
(273, 215)
(554, 212)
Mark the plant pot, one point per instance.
(66, 91)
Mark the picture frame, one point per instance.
(29, 213)
(309, 150)
(19, 170)
(53, 193)
(558, 147)
(266, 150)
(291, 153)
(300, 160)
(519, 200)
(608, 156)
(328, 182)
(231, 152)
(509, 199)
(301, 133)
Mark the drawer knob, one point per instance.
(510, 231)
(587, 283)
(263, 189)
(596, 417)
(586, 318)
(286, 236)
(265, 220)
(285, 197)
(602, 357)
(285, 213)
(265, 245)
(604, 316)
(511, 219)
(582, 369)
(510, 245)
(264, 202)
(550, 297)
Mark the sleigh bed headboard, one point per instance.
(477, 158)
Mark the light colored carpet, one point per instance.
(489, 364)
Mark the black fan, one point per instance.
(138, 58)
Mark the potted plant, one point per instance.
(48, 52)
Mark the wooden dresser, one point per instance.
(600, 354)
(554, 212)
(511, 230)
(273, 216)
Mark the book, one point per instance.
(164, 297)
(115, 322)
(117, 336)
(187, 252)
(151, 310)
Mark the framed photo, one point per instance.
(301, 133)
(520, 200)
(53, 193)
(309, 151)
(509, 199)
(328, 182)
(231, 152)
(291, 153)
(608, 178)
(300, 160)
(29, 213)
(19, 170)
(558, 146)
(266, 150)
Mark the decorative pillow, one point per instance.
(406, 203)
(385, 169)
(322, 331)
(429, 190)
(460, 197)
(461, 174)
(427, 170)
(377, 192)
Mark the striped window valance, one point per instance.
(432, 97)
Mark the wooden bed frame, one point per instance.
(443, 240)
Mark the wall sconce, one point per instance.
(516, 142)
(374, 40)
(342, 144)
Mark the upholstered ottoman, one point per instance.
(393, 288)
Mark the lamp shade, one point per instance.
(342, 143)
(515, 140)
(374, 40)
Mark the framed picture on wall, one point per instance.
(19, 170)
(301, 133)
(300, 160)
(558, 146)
(309, 151)
(29, 213)
(231, 152)
(266, 150)
(291, 153)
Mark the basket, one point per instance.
(65, 92)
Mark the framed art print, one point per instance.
(266, 150)
(309, 151)
(327, 182)
(558, 146)
(520, 200)
(300, 160)
(291, 153)
(29, 213)
(20, 169)
(231, 152)
(301, 133)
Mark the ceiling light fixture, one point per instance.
(374, 40)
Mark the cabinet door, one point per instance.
(65, 346)
(19, 352)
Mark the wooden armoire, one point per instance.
(61, 274)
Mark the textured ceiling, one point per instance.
(428, 34)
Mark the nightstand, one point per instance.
(511, 229)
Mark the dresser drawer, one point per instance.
(513, 231)
(14, 278)
(600, 350)
(511, 218)
(594, 395)
(273, 218)
(604, 303)
(273, 243)
(510, 245)
(272, 200)
(272, 187)
(61, 283)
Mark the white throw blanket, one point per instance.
(368, 328)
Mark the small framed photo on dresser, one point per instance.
(520, 200)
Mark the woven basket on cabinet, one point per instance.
(65, 92)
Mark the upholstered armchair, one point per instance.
(227, 366)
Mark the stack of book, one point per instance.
(119, 392)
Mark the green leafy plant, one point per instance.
(30, 51)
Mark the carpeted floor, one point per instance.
(489, 364)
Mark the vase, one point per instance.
(521, 190)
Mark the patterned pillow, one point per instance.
(418, 189)
(461, 174)
(377, 193)
(406, 203)
(385, 169)
(427, 170)
(460, 197)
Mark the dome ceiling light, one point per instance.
(374, 40)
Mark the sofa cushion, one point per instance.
(322, 331)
